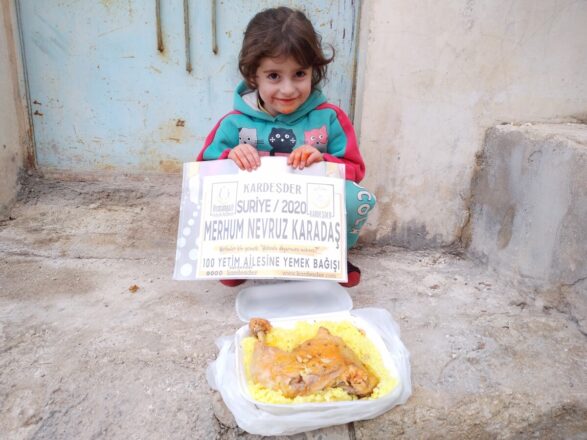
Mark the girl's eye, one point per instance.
(273, 76)
(300, 74)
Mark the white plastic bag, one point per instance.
(222, 376)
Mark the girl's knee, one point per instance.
(359, 200)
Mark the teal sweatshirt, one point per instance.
(315, 122)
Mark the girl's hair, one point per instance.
(282, 32)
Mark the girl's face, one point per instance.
(283, 84)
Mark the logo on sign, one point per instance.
(320, 200)
(223, 198)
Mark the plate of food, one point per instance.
(306, 359)
(321, 361)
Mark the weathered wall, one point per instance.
(12, 112)
(529, 210)
(434, 77)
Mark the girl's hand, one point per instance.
(245, 156)
(304, 156)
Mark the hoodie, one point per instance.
(315, 122)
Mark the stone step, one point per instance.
(529, 212)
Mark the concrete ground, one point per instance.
(97, 340)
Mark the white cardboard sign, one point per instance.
(274, 222)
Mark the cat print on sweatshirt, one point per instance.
(247, 136)
(283, 140)
(318, 137)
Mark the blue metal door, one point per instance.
(137, 85)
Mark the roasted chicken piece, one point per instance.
(321, 362)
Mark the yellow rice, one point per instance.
(289, 338)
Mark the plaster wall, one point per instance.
(530, 204)
(13, 131)
(433, 77)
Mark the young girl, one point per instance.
(279, 110)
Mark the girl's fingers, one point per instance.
(316, 156)
(294, 159)
(252, 155)
(298, 160)
(304, 159)
(305, 156)
(234, 157)
(246, 157)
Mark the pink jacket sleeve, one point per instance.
(342, 143)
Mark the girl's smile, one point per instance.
(283, 84)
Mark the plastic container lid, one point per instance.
(294, 298)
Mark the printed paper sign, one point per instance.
(262, 224)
